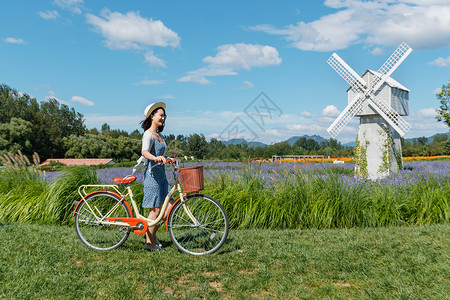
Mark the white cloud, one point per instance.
(330, 111)
(384, 23)
(131, 31)
(437, 91)
(72, 5)
(247, 85)
(427, 112)
(233, 57)
(424, 123)
(149, 82)
(12, 40)
(441, 62)
(165, 97)
(153, 60)
(376, 51)
(244, 56)
(195, 78)
(48, 15)
(129, 122)
(305, 114)
(82, 101)
(53, 96)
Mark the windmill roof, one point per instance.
(390, 81)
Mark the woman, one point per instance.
(156, 186)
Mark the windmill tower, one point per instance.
(380, 102)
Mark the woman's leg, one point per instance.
(150, 236)
(151, 231)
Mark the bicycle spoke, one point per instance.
(208, 235)
(95, 234)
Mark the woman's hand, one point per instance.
(160, 159)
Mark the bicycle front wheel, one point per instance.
(94, 234)
(199, 225)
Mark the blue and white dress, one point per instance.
(156, 186)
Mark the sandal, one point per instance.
(158, 243)
(154, 248)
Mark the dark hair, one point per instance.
(148, 122)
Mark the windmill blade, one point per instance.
(345, 71)
(346, 115)
(390, 115)
(391, 64)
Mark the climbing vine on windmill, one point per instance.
(380, 102)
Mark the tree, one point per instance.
(447, 148)
(440, 138)
(169, 138)
(105, 128)
(15, 135)
(444, 108)
(197, 145)
(98, 146)
(136, 134)
(422, 140)
(215, 148)
(174, 149)
(58, 121)
(51, 121)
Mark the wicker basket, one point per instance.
(192, 179)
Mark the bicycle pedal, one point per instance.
(139, 226)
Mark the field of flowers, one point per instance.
(352, 160)
(259, 195)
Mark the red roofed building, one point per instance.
(79, 161)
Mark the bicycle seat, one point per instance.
(122, 180)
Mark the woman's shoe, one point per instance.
(158, 243)
(153, 248)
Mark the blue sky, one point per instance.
(213, 62)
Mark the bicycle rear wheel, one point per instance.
(208, 235)
(91, 232)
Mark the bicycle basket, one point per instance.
(191, 179)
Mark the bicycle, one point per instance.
(197, 223)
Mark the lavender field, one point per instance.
(275, 196)
(413, 172)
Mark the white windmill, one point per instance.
(380, 102)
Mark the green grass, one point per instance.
(28, 199)
(297, 200)
(300, 200)
(48, 262)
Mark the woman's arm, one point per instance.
(147, 142)
(149, 156)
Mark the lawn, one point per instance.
(408, 262)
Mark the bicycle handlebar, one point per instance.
(173, 161)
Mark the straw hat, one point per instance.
(149, 109)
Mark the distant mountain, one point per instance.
(349, 144)
(317, 138)
(291, 141)
(242, 141)
(429, 139)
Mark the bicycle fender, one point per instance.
(178, 200)
(108, 192)
(170, 210)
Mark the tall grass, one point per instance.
(303, 199)
(26, 198)
(298, 197)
